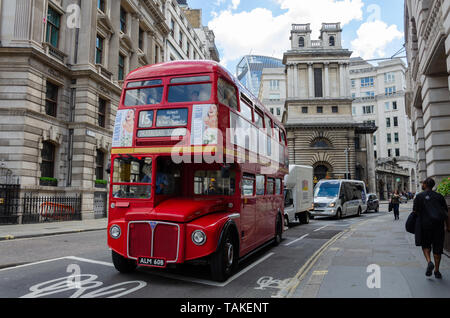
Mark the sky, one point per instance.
(371, 28)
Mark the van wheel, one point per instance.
(359, 212)
(286, 220)
(304, 218)
(122, 264)
(278, 231)
(339, 214)
(225, 260)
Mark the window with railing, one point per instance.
(53, 27)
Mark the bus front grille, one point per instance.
(154, 239)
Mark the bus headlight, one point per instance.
(198, 237)
(332, 204)
(115, 232)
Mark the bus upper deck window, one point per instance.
(188, 92)
(226, 94)
(143, 96)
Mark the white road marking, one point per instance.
(209, 282)
(90, 261)
(321, 228)
(162, 274)
(295, 241)
(36, 263)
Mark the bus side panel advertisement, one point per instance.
(123, 128)
(204, 125)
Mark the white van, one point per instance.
(298, 194)
(339, 198)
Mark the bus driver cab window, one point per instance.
(168, 177)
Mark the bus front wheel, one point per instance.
(123, 264)
(224, 261)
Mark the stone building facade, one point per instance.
(321, 130)
(427, 29)
(378, 93)
(427, 36)
(62, 63)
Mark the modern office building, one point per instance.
(249, 70)
(378, 93)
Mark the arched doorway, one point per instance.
(320, 172)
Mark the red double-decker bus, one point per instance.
(197, 169)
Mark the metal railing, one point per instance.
(40, 209)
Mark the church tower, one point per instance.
(318, 117)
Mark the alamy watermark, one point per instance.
(374, 279)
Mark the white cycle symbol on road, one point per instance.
(83, 286)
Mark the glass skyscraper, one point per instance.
(249, 70)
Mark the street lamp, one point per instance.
(347, 172)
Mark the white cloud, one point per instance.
(260, 32)
(235, 4)
(373, 38)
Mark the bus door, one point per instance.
(248, 213)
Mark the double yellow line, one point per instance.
(305, 269)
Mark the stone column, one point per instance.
(87, 35)
(311, 80)
(341, 80)
(436, 119)
(296, 82)
(327, 80)
(290, 81)
(114, 42)
(135, 40)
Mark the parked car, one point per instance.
(373, 204)
(403, 199)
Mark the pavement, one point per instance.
(372, 259)
(11, 232)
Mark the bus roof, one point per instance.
(178, 68)
(186, 67)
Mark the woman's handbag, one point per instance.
(391, 207)
(411, 223)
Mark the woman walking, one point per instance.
(395, 201)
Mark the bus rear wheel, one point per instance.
(225, 260)
(123, 264)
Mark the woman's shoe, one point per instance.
(438, 275)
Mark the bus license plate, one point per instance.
(152, 262)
